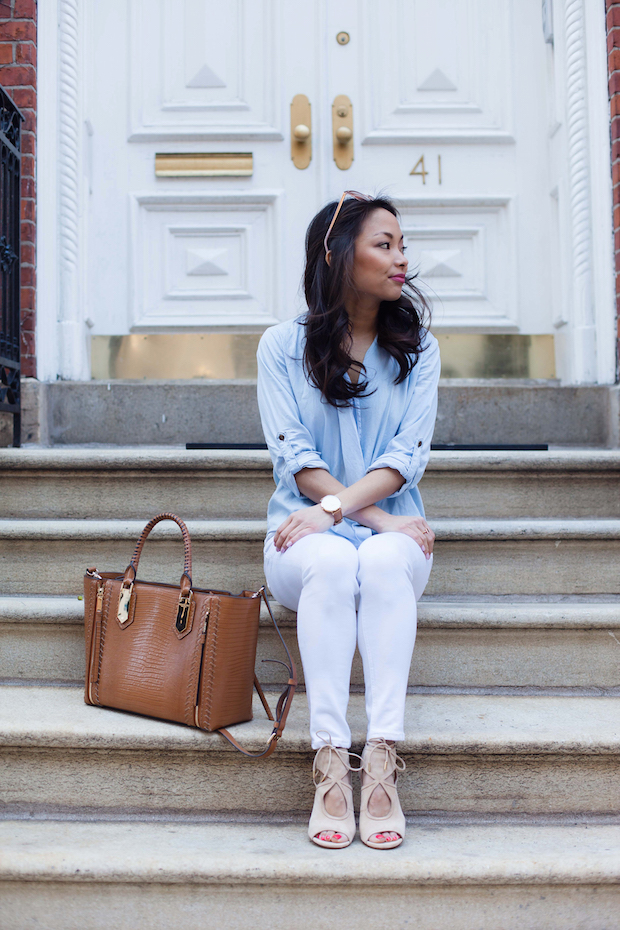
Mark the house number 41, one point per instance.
(419, 169)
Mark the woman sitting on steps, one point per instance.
(348, 398)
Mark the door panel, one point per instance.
(204, 70)
(464, 254)
(203, 259)
(436, 71)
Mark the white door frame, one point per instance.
(581, 162)
(62, 331)
(586, 317)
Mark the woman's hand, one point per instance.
(302, 523)
(416, 527)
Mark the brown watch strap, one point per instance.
(336, 514)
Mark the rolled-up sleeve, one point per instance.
(290, 443)
(408, 452)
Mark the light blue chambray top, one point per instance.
(391, 428)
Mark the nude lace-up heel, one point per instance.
(380, 762)
(324, 779)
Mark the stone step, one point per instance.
(476, 754)
(153, 876)
(136, 483)
(484, 556)
(462, 642)
(172, 412)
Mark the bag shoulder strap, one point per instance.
(284, 701)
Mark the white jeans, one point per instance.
(345, 596)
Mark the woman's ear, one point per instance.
(328, 257)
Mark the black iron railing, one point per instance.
(10, 157)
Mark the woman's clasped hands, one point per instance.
(315, 520)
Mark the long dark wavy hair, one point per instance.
(328, 329)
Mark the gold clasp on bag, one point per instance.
(183, 613)
(122, 614)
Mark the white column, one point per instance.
(62, 345)
(72, 356)
(603, 265)
(582, 341)
(47, 192)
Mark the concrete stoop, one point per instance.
(463, 642)
(486, 556)
(134, 876)
(110, 820)
(172, 412)
(107, 483)
(473, 753)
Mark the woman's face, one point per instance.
(380, 264)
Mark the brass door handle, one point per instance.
(301, 131)
(342, 128)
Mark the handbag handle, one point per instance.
(132, 569)
(284, 701)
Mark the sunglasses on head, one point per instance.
(356, 196)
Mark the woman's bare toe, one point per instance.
(330, 836)
(385, 837)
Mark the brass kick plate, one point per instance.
(205, 165)
(233, 355)
(342, 130)
(301, 131)
(496, 355)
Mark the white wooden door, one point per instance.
(453, 90)
(457, 93)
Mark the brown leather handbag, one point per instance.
(177, 653)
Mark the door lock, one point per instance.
(342, 128)
(301, 131)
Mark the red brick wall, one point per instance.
(613, 52)
(18, 76)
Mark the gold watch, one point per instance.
(331, 504)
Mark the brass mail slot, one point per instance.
(205, 165)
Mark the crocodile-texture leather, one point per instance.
(227, 684)
(90, 596)
(144, 667)
(92, 624)
(203, 677)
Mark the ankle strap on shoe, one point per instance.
(338, 750)
(397, 764)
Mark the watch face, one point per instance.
(330, 502)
